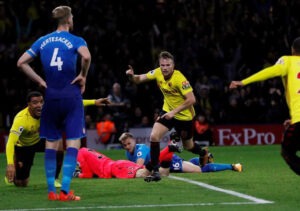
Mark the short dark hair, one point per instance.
(165, 55)
(33, 94)
(296, 45)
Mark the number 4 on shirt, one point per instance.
(56, 60)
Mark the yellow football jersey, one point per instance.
(26, 127)
(173, 91)
(288, 68)
(24, 132)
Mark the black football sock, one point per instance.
(154, 153)
(197, 149)
(59, 162)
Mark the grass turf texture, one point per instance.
(265, 176)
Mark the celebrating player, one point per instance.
(177, 112)
(287, 67)
(92, 163)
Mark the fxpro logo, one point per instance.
(246, 136)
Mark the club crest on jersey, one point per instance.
(152, 72)
(186, 85)
(21, 129)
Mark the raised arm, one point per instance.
(136, 78)
(235, 84)
(96, 102)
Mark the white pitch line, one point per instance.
(131, 206)
(230, 192)
(253, 200)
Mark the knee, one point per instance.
(154, 138)
(188, 144)
(292, 160)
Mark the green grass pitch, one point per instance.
(266, 183)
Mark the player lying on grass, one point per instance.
(179, 165)
(140, 154)
(92, 163)
(95, 164)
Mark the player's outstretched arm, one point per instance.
(102, 102)
(135, 78)
(235, 84)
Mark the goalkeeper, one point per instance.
(95, 164)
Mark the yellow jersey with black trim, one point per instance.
(26, 128)
(173, 90)
(288, 68)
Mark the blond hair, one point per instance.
(61, 14)
(125, 136)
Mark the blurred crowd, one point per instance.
(213, 42)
